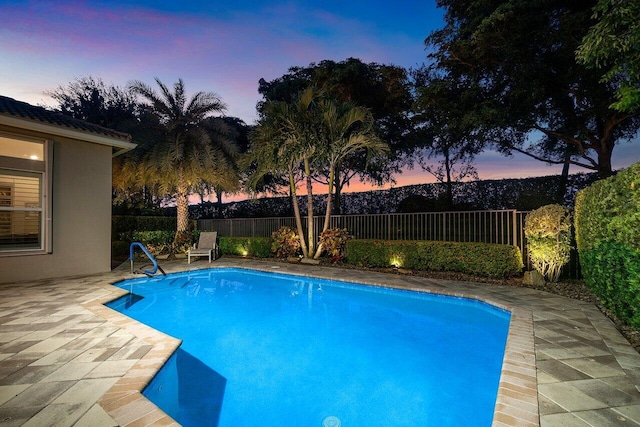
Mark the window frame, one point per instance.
(44, 169)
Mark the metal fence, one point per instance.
(498, 226)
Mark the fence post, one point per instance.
(514, 218)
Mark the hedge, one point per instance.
(607, 220)
(259, 247)
(481, 259)
(123, 227)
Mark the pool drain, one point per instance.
(331, 421)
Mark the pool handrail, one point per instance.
(156, 267)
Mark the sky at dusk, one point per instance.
(223, 47)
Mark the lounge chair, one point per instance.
(206, 246)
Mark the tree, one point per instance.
(228, 135)
(183, 156)
(383, 89)
(281, 144)
(439, 119)
(517, 61)
(613, 45)
(238, 132)
(303, 139)
(345, 130)
(90, 99)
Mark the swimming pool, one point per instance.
(271, 349)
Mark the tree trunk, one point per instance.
(182, 202)
(291, 196)
(219, 202)
(604, 160)
(310, 234)
(337, 194)
(337, 205)
(182, 238)
(564, 177)
(327, 212)
(447, 166)
(296, 213)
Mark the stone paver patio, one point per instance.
(65, 359)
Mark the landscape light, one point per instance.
(396, 261)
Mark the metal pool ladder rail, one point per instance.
(156, 267)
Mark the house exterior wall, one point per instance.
(81, 214)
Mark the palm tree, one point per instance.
(281, 145)
(184, 155)
(345, 129)
(306, 137)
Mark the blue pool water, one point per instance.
(266, 349)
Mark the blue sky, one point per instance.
(220, 46)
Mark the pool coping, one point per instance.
(517, 399)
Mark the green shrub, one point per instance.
(183, 241)
(259, 247)
(123, 227)
(157, 242)
(607, 220)
(160, 242)
(482, 259)
(285, 242)
(548, 233)
(333, 241)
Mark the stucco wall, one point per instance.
(81, 214)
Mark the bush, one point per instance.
(548, 233)
(482, 259)
(123, 227)
(333, 241)
(183, 241)
(607, 220)
(285, 242)
(157, 242)
(161, 242)
(259, 247)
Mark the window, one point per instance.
(23, 192)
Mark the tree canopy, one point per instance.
(305, 139)
(384, 89)
(516, 60)
(89, 98)
(439, 117)
(189, 149)
(613, 46)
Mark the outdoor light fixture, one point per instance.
(396, 261)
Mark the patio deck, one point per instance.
(65, 359)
